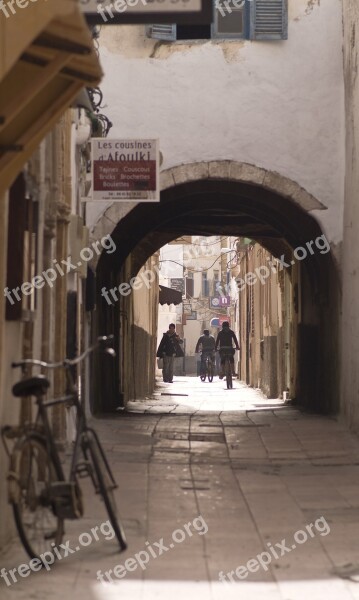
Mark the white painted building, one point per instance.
(168, 313)
(278, 104)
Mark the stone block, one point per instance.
(191, 172)
(246, 172)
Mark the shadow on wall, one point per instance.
(142, 376)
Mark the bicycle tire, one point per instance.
(21, 472)
(105, 488)
(229, 374)
(203, 374)
(210, 371)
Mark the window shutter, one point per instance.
(162, 32)
(189, 287)
(269, 20)
(205, 288)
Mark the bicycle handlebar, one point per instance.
(68, 362)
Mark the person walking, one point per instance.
(168, 349)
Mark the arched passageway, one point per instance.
(240, 200)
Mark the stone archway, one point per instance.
(226, 170)
(204, 198)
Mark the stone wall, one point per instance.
(350, 306)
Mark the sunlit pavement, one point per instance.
(188, 395)
(255, 472)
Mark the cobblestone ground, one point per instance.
(214, 483)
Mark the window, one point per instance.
(215, 283)
(189, 285)
(229, 19)
(249, 19)
(205, 285)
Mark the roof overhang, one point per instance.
(169, 296)
(47, 56)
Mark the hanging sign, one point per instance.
(125, 12)
(125, 170)
(220, 301)
(177, 283)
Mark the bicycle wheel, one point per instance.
(228, 374)
(203, 371)
(31, 473)
(210, 371)
(104, 485)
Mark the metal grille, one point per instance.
(162, 31)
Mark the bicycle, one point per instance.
(208, 368)
(227, 352)
(40, 494)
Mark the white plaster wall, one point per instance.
(9, 415)
(171, 262)
(166, 314)
(192, 331)
(278, 105)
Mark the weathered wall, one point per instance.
(17, 338)
(350, 318)
(166, 314)
(9, 348)
(138, 341)
(277, 105)
(44, 334)
(268, 325)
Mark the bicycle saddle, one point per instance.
(32, 386)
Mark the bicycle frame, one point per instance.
(70, 399)
(208, 356)
(60, 497)
(226, 352)
(227, 361)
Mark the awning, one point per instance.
(169, 296)
(46, 58)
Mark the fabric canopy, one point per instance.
(169, 296)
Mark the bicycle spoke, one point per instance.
(36, 522)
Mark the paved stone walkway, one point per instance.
(222, 476)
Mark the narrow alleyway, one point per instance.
(180, 165)
(249, 474)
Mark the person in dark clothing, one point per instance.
(207, 343)
(169, 348)
(224, 343)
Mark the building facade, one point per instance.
(255, 117)
(258, 132)
(41, 168)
